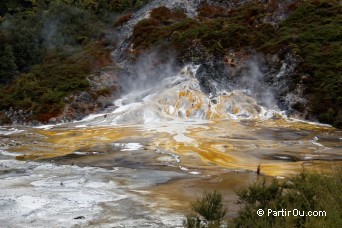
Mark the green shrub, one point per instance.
(44, 88)
(304, 192)
(307, 191)
(207, 211)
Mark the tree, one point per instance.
(8, 67)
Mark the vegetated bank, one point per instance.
(310, 199)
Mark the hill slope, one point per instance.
(54, 55)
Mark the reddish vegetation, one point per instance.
(235, 59)
(209, 11)
(293, 6)
(4, 119)
(123, 19)
(45, 117)
(98, 56)
(104, 59)
(150, 30)
(166, 16)
(106, 92)
(273, 5)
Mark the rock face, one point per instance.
(20, 117)
(270, 78)
(104, 88)
(287, 89)
(214, 76)
(79, 106)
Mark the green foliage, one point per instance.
(35, 32)
(13, 6)
(43, 89)
(67, 25)
(158, 28)
(8, 67)
(260, 194)
(22, 32)
(208, 211)
(218, 29)
(314, 32)
(210, 206)
(125, 5)
(101, 6)
(32, 33)
(304, 192)
(47, 49)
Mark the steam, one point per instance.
(149, 71)
(51, 36)
(253, 80)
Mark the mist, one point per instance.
(253, 80)
(52, 38)
(148, 71)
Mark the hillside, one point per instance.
(62, 60)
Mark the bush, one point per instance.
(207, 211)
(307, 191)
(304, 192)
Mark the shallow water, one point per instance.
(141, 163)
(146, 175)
